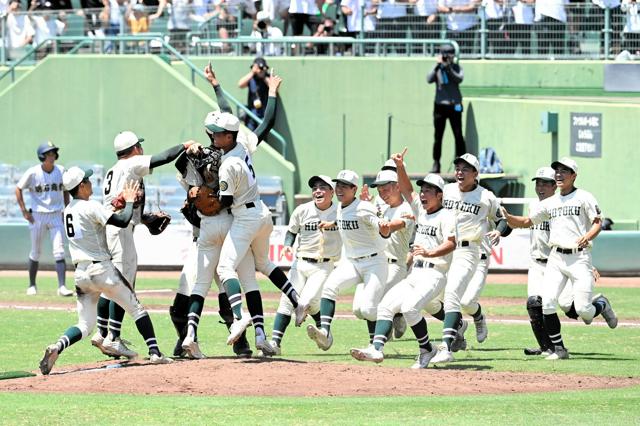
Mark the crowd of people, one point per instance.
(558, 25)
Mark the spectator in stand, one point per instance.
(278, 9)
(153, 8)
(393, 21)
(304, 13)
(325, 29)
(179, 23)
(49, 5)
(137, 19)
(616, 17)
(45, 23)
(494, 15)
(257, 81)
(97, 16)
(202, 10)
(519, 25)
(352, 12)
(462, 21)
(427, 25)
(228, 12)
(19, 31)
(263, 29)
(631, 31)
(551, 22)
(115, 17)
(4, 7)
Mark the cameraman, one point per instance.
(447, 103)
(262, 29)
(257, 80)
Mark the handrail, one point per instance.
(194, 70)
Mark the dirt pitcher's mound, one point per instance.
(281, 377)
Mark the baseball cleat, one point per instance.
(49, 358)
(442, 356)
(399, 326)
(64, 291)
(370, 353)
(237, 328)
(533, 351)
(32, 290)
(264, 345)
(323, 339)
(546, 353)
(607, 313)
(98, 341)
(159, 359)
(481, 329)
(117, 347)
(560, 352)
(241, 347)
(424, 357)
(192, 348)
(301, 313)
(178, 352)
(275, 346)
(459, 342)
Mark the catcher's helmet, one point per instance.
(47, 147)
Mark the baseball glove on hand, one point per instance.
(156, 222)
(206, 200)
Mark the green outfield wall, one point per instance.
(334, 112)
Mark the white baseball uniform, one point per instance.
(365, 261)
(570, 218)
(85, 223)
(120, 240)
(470, 297)
(398, 243)
(427, 278)
(47, 202)
(315, 254)
(471, 210)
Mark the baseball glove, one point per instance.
(206, 200)
(118, 203)
(156, 222)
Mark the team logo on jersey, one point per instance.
(223, 186)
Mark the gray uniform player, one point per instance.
(316, 252)
(365, 262)
(574, 221)
(85, 221)
(48, 198)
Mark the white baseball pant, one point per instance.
(43, 223)
(123, 251)
(397, 272)
(371, 272)
(536, 285)
(463, 265)
(469, 300)
(307, 279)
(189, 271)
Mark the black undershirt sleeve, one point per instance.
(289, 239)
(166, 156)
(122, 219)
(269, 119)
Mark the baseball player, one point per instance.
(574, 221)
(252, 223)
(132, 164)
(85, 222)
(472, 206)
(316, 252)
(48, 198)
(431, 256)
(362, 233)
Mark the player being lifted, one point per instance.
(574, 221)
(85, 221)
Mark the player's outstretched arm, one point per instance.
(210, 74)
(403, 178)
(516, 221)
(172, 153)
(270, 111)
(122, 219)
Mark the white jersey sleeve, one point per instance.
(398, 241)
(358, 227)
(312, 242)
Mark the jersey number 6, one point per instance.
(68, 221)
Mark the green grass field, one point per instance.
(594, 350)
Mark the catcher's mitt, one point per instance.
(156, 222)
(206, 200)
(118, 203)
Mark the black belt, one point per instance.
(248, 205)
(312, 260)
(365, 257)
(423, 264)
(463, 244)
(93, 261)
(389, 260)
(483, 256)
(568, 251)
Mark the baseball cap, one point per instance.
(347, 176)
(432, 180)
(263, 15)
(73, 176)
(384, 177)
(125, 140)
(219, 122)
(261, 63)
(391, 165)
(323, 178)
(567, 162)
(447, 49)
(470, 159)
(545, 173)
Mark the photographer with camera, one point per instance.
(447, 75)
(262, 29)
(257, 81)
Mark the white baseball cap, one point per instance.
(433, 180)
(567, 162)
(384, 177)
(347, 176)
(470, 159)
(545, 173)
(391, 165)
(73, 176)
(125, 140)
(263, 15)
(218, 122)
(323, 178)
